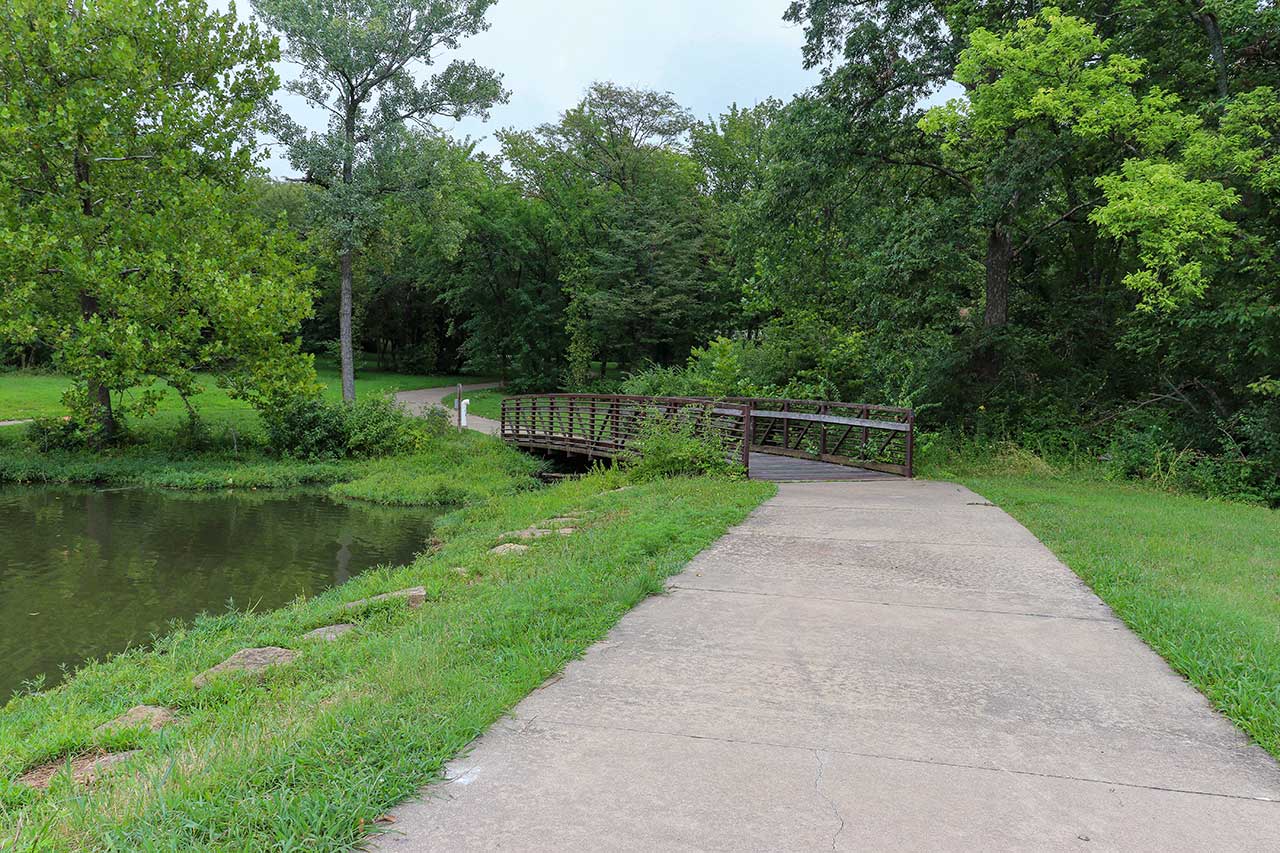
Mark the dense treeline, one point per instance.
(1080, 250)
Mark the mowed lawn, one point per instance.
(33, 395)
(484, 403)
(1198, 580)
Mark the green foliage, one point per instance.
(800, 358)
(1088, 229)
(65, 433)
(358, 64)
(1153, 449)
(314, 428)
(502, 284)
(637, 233)
(126, 134)
(1178, 224)
(447, 468)
(308, 428)
(679, 445)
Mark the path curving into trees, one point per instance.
(419, 402)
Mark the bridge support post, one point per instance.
(748, 428)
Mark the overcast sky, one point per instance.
(709, 53)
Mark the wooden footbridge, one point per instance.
(774, 439)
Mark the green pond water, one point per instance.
(87, 572)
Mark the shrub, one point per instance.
(379, 426)
(680, 445)
(805, 360)
(65, 433)
(313, 428)
(1148, 451)
(307, 428)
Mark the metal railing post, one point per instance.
(824, 409)
(911, 444)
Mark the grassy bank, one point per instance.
(456, 468)
(1198, 580)
(484, 404)
(310, 755)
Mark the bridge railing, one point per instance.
(878, 438)
(861, 435)
(604, 425)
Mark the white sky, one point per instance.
(708, 53)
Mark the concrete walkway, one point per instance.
(885, 665)
(419, 401)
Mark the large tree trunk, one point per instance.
(999, 261)
(99, 394)
(344, 330)
(1208, 21)
(345, 348)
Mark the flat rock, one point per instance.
(151, 717)
(414, 597)
(247, 660)
(566, 531)
(527, 533)
(509, 548)
(329, 632)
(85, 769)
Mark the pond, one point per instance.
(86, 572)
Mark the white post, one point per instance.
(462, 417)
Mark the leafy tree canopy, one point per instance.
(127, 130)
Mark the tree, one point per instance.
(358, 61)
(628, 203)
(503, 284)
(735, 152)
(127, 130)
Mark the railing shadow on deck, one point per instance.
(878, 438)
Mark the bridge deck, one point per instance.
(782, 469)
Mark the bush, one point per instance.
(802, 360)
(1148, 452)
(65, 433)
(682, 445)
(312, 428)
(379, 426)
(307, 428)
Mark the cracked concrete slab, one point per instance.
(922, 573)
(886, 665)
